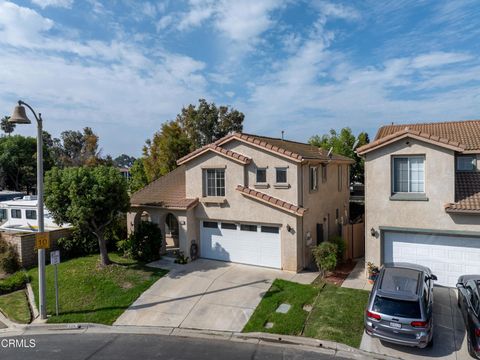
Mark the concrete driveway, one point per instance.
(449, 339)
(205, 294)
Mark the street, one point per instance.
(128, 346)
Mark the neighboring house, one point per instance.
(250, 199)
(422, 195)
(125, 172)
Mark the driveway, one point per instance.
(449, 339)
(205, 294)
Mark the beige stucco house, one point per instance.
(249, 199)
(422, 196)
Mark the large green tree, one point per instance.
(6, 126)
(344, 143)
(138, 177)
(75, 148)
(124, 160)
(87, 197)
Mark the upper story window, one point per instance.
(16, 213)
(324, 173)
(340, 179)
(31, 214)
(261, 176)
(409, 174)
(214, 182)
(313, 178)
(281, 175)
(466, 163)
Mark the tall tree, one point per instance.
(124, 160)
(88, 197)
(7, 127)
(344, 143)
(161, 154)
(138, 177)
(75, 148)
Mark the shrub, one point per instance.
(144, 244)
(80, 243)
(13, 282)
(9, 260)
(325, 256)
(341, 246)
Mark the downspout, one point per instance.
(302, 202)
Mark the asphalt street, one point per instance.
(128, 346)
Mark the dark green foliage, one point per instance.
(144, 244)
(124, 160)
(13, 282)
(138, 177)
(9, 261)
(341, 246)
(325, 256)
(6, 126)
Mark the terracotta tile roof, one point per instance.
(467, 193)
(217, 149)
(283, 205)
(167, 192)
(416, 134)
(294, 150)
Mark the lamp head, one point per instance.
(19, 116)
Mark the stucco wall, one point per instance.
(439, 188)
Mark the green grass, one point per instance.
(280, 292)
(90, 293)
(337, 313)
(15, 307)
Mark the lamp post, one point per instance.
(20, 117)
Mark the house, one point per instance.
(249, 199)
(422, 195)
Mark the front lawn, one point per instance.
(90, 293)
(15, 307)
(337, 313)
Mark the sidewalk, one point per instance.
(357, 278)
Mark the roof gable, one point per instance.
(232, 155)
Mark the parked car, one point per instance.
(469, 303)
(400, 307)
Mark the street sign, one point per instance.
(55, 257)
(42, 240)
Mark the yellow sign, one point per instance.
(42, 240)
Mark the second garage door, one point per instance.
(447, 256)
(243, 243)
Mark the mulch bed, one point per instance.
(342, 271)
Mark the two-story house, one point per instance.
(422, 196)
(250, 199)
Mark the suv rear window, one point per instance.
(394, 307)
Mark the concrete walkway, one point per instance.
(357, 278)
(205, 294)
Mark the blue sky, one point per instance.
(123, 67)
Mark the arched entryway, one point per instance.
(171, 231)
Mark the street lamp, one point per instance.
(20, 117)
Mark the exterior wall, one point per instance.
(238, 208)
(323, 203)
(439, 189)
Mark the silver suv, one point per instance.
(400, 307)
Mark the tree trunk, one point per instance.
(103, 249)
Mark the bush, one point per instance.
(9, 260)
(144, 244)
(341, 246)
(14, 282)
(325, 256)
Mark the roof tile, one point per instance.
(467, 193)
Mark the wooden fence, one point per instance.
(354, 236)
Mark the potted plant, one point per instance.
(372, 272)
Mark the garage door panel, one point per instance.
(447, 256)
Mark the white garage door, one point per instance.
(243, 243)
(447, 256)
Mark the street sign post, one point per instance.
(55, 260)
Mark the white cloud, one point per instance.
(436, 59)
(339, 11)
(53, 3)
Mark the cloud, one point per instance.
(439, 59)
(338, 11)
(53, 3)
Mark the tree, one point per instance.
(91, 197)
(343, 144)
(7, 127)
(207, 122)
(124, 160)
(138, 178)
(75, 148)
(161, 154)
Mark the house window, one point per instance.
(313, 178)
(229, 226)
(324, 173)
(270, 229)
(31, 214)
(246, 227)
(215, 182)
(340, 178)
(3, 214)
(281, 175)
(261, 175)
(210, 224)
(466, 163)
(409, 174)
(16, 213)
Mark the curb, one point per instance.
(323, 346)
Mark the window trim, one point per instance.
(405, 195)
(15, 210)
(314, 182)
(324, 173)
(30, 211)
(205, 179)
(474, 163)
